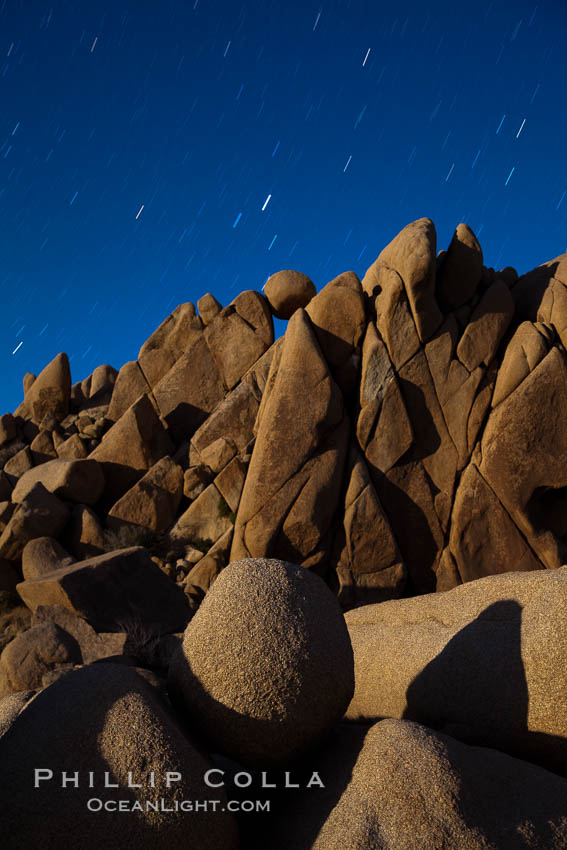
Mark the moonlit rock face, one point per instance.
(266, 665)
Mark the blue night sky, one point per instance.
(140, 142)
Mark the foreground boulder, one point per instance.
(400, 786)
(105, 719)
(482, 662)
(112, 590)
(265, 667)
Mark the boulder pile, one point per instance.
(184, 536)
(386, 441)
(257, 712)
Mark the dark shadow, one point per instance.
(409, 525)
(426, 436)
(184, 420)
(323, 510)
(529, 289)
(464, 259)
(547, 511)
(475, 690)
(118, 479)
(309, 808)
(408, 518)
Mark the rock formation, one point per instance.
(386, 441)
(402, 447)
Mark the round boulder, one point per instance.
(43, 555)
(287, 291)
(266, 666)
(35, 653)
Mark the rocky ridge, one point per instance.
(403, 438)
(387, 440)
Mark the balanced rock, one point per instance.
(107, 720)
(287, 291)
(265, 667)
(112, 590)
(479, 662)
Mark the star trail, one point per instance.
(152, 152)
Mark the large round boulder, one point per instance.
(287, 291)
(266, 665)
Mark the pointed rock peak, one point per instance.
(300, 338)
(174, 336)
(412, 254)
(460, 270)
(339, 317)
(48, 396)
(208, 308)
(28, 380)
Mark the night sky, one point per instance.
(154, 151)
